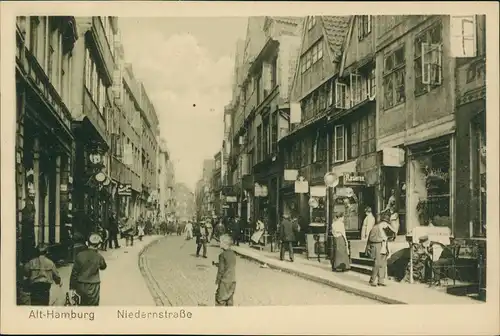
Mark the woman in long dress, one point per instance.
(340, 258)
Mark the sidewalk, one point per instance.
(122, 283)
(352, 282)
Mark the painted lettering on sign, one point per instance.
(350, 178)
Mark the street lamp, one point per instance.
(331, 181)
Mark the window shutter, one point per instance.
(368, 24)
(359, 20)
(426, 76)
(436, 68)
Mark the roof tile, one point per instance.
(336, 28)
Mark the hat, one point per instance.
(42, 248)
(423, 239)
(94, 239)
(226, 240)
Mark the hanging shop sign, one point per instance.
(331, 180)
(260, 190)
(318, 191)
(393, 157)
(301, 186)
(231, 199)
(353, 179)
(125, 190)
(64, 187)
(100, 177)
(291, 174)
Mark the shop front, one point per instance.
(429, 188)
(44, 152)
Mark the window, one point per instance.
(265, 144)
(315, 148)
(428, 68)
(322, 96)
(372, 85)
(354, 139)
(478, 177)
(274, 133)
(341, 96)
(313, 55)
(358, 89)
(274, 70)
(364, 26)
(463, 31)
(259, 142)
(311, 22)
(363, 125)
(339, 144)
(34, 24)
(329, 88)
(394, 78)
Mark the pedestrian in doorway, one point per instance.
(340, 257)
(85, 279)
(288, 232)
(41, 273)
(236, 230)
(226, 273)
(378, 250)
(368, 223)
(104, 233)
(201, 239)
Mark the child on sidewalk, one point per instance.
(41, 272)
(226, 274)
(85, 278)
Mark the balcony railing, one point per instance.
(28, 62)
(100, 34)
(96, 118)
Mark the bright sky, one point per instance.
(186, 65)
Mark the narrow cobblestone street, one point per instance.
(189, 281)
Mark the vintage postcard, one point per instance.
(249, 168)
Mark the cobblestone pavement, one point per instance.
(190, 281)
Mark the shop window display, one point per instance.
(431, 184)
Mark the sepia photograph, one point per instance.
(257, 161)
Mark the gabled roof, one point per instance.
(335, 31)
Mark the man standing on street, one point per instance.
(226, 273)
(201, 239)
(236, 230)
(377, 249)
(288, 230)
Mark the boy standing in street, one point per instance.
(41, 273)
(226, 273)
(85, 278)
(201, 240)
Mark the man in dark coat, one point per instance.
(288, 231)
(113, 231)
(236, 231)
(226, 273)
(201, 234)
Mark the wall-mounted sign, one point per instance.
(301, 186)
(393, 157)
(64, 187)
(353, 179)
(70, 179)
(125, 190)
(260, 190)
(18, 157)
(291, 174)
(318, 191)
(231, 199)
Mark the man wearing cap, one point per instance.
(85, 278)
(41, 272)
(226, 273)
(378, 250)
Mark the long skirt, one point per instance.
(89, 293)
(340, 257)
